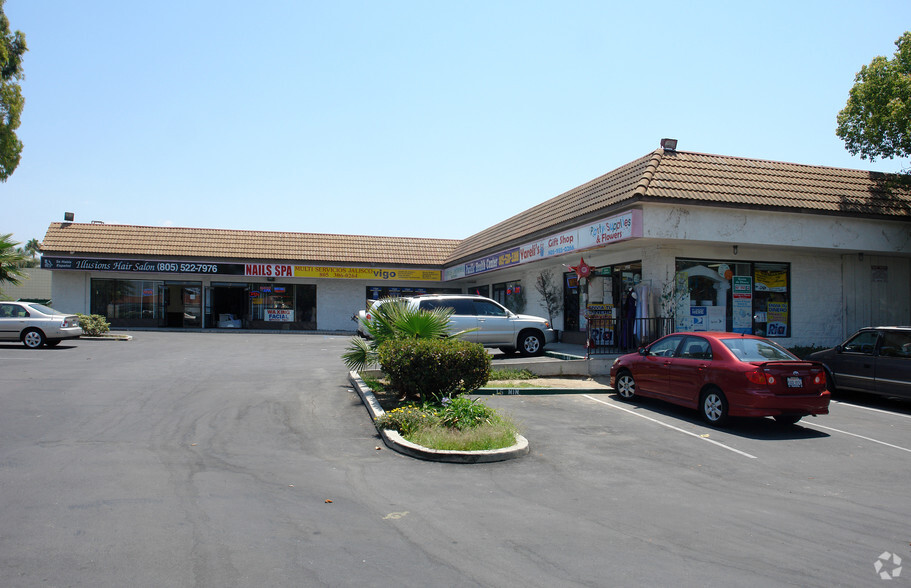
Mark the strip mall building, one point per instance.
(802, 253)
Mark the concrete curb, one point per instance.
(396, 442)
(533, 391)
(106, 338)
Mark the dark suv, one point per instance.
(874, 359)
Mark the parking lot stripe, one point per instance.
(663, 424)
(891, 412)
(858, 436)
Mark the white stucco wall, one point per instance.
(70, 291)
(36, 283)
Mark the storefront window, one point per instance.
(281, 306)
(510, 295)
(126, 303)
(734, 296)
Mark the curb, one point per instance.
(396, 442)
(542, 391)
(109, 338)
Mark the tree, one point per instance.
(11, 261)
(12, 48)
(551, 294)
(394, 319)
(33, 248)
(876, 121)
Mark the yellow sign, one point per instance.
(771, 281)
(363, 273)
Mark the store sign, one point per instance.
(279, 315)
(493, 262)
(611, 230)
(364, 273)
(141, 266)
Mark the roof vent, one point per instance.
(669, 144)
(97, 222)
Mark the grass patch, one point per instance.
(497, 435)
(458, 424)
(511, 374)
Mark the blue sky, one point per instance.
(424, 119)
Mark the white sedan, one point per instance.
(36, 325)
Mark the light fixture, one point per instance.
(735, 250)
(669, 144)
(68, 217)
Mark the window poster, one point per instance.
(777, 315)
(742, 307)
(771, 280)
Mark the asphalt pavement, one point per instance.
(208, 459)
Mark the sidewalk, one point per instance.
(559, 359)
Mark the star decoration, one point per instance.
(583, 270)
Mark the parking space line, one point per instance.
(851, 404)
(856, 435)
(663, 424)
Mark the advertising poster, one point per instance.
(279, 315)
(771, 281)
(742, 308)
(777, 316)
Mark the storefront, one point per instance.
(671, 241)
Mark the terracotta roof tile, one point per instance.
(102, 239)
(674, 177)
(697, 178)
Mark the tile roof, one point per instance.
(696, 178)
(128, 240)
(661, 176)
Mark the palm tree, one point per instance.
(395, 319)
(33, 247)
(11, 261)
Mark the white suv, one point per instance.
(496, 325)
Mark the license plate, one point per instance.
(795, 382)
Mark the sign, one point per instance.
(142, 266)
(771, 281)
(610, 230)
(777, 315)
(493, 262)
(278, 315)
(742, 304)
(363, 273)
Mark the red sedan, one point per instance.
(724, 374)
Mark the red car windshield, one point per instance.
(757, 350)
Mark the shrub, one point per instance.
(407, 420)
(802, 351)
(432, 369)
(512, 374)
(93, 324)
(464, 413)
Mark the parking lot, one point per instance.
(202, 459)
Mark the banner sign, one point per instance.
(142, 266)
(265, 270)
(492, 262)
(599, 234)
